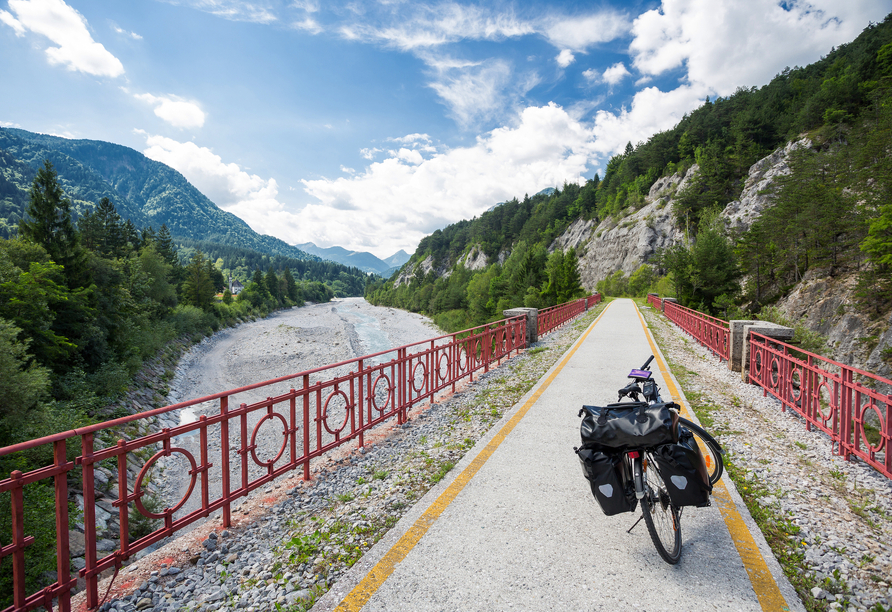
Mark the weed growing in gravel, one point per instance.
(800, 444)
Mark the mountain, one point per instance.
(147, 192)
(358, 259)
(397, 259)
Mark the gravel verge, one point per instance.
(829, 521)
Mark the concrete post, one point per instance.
(532, 315)
(766, 328)
(673, 300)
(735, 364)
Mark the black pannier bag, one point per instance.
(684, 471)
(605, 473)
(629, 425)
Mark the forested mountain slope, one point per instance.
(147, 192)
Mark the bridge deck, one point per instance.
(515, 527)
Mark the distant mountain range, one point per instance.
(147, 192)
(358, 259)
(547, 191)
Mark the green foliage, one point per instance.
(805, 338)
(23, 383)
(705, 270)
(530, 277)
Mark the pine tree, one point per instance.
(48, 223)
(198, 289)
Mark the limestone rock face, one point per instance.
(823, 304)
(609, 246)
(741, 213)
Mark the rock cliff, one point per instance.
(625, 245)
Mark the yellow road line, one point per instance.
(764, 584)
(367, 587)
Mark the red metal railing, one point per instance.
(825, 393)
(711, 332)
(327, 407)
(655, 301)
(553, 317)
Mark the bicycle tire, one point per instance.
(662, 517)
(713, 451)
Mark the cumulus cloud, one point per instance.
(578, 33)
(226, 184)
(565, 58)
(175, 110)
(615, 73)
(75, 48)
(392, 204)
(651, 111)
(396, 202)
(725, 45)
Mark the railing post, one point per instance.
(306, 391)
(224, 460)
(361, 403)
(18, 540)
(63, 554)
(845, 413)
(89, 521)
(124, 508)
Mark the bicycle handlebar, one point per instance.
(647, 363)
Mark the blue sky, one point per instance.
(368, 125)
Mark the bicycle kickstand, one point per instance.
(636, 524)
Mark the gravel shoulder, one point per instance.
(836, 515)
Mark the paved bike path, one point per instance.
(515, 526)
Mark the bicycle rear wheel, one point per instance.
(662, 517)
(712, 451)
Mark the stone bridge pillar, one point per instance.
(663, 303)
(532, 315)
(766, 328)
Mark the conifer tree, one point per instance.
(48, 223)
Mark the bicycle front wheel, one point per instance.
(712, 452)
(662, 517)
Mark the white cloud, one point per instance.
(9, 124)
(615, 74)
(308, 25)
(65, 27)
(262, 11)
(227, 185)
(370, 153)
(394, 203)
(578, 33)
(175, 110)
(473, 91)
(121, 30)
(12, 22)
(347, 170)
(565, 58)
(651, 111)
(433, 25)
(725, 45)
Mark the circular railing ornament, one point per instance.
(138, 490)
(266, 417)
